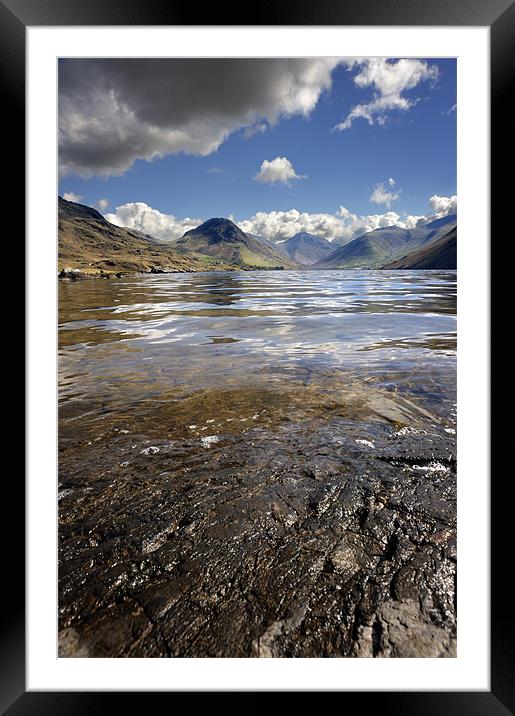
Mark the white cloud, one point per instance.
(70, 196)
(383, 195)
(411, 221)
(389, 79)
(354, 225)
(103, 204)
(144, 218)
(278, 170)
(259, 128)
(443, 205)
(281, 225)
(114, 111)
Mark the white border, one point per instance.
(470, 670)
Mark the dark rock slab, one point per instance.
(326, 537)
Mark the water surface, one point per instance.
(257, 464)
(125, 342)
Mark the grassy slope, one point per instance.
(91, 244)
(307, 249)
(438, 254)
(368, 251)
(227, 243)
(386, 245)
(250, 258)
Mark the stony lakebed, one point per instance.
(258, 465)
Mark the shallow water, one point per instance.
(257, 464)
(124, 342)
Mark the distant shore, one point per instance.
(72, 274)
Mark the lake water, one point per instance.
(257, 463)
(142, 338)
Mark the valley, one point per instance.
(91, 246)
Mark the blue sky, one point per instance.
(413, 146)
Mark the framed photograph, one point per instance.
(258, 328)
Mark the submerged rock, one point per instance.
(330, 534)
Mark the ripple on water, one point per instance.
(124, 341)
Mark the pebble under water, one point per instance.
(258, 464)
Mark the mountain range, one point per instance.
(384, 246)
(90, 244)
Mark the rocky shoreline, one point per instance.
(69, 274)
(326, 534)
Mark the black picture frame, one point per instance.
(499, 15)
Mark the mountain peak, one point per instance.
(307, 249)
(216, 221)
(306, 236)
(222, 239)
(218, 229)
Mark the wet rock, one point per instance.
(285, 539)
(71, 274)
(400, 629)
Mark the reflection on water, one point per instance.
(257, 458)
(123, 342)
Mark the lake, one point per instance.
(137, 338)
(219, 432)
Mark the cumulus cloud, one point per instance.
(114, 111)
(389, 80)
(278, 170)
(144, 218)
(343, 224)
(281, 225)
(103, 204)
(70, 196)
(354, 225)
(443, 205)
(382, 195)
